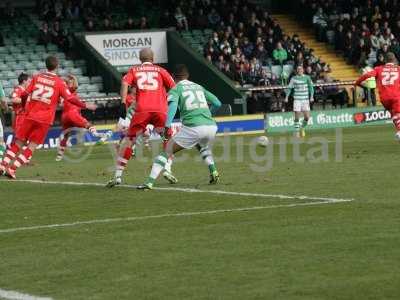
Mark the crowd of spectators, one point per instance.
(246, 41)
(363, 31)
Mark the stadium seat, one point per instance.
(76, 71)
(3, 50)
(22, 57)
(3, 67)
(63, 72)
(39, 48)
(92, 88)
(67, 64)
(9, 58)
(7, 84)
(83, 80)
(28, 65)
(96, 79)
(10, 75)
(40, 65)
(52, 47)
(18, 68)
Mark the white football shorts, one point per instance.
(301, 106)
(188, 137)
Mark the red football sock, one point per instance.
(22, 159)
(11, 153)
(396, 121)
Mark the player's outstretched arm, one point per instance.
(124, 91)
(365, 77)
(215, 104)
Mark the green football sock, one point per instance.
(2, 151)
(297, 125)
(158, 166)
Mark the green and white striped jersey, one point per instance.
(302, 87)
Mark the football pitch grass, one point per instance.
(296, 230)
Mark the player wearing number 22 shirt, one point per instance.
(44, 91)
(151, 83)
(388, 83)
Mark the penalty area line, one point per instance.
(14, 295)
(167, 215)
(189, 190)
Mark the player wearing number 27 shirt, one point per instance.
(44, 91)
(151, 83)
(388, 83)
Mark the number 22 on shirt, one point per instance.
(42, 93)
(388, 78)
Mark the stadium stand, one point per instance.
(24, 48)
(361, 33)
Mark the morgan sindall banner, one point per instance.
(122, 49)
(349, 117)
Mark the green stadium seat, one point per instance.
(6, 84)
(18, 68)
(3, 50)
(92, 88)
(60, 55)
(67, 64)
(96, 79)
(10, 75)
(31, 71)
(197, 32)
(22, 57)
(28, 65)
(33, 57)
(208, 31)
(40, 65)
(39, 48)
(83, 79)
(3, 67)
(80, 63)
(9, 58)
(63, 72)
(52, 47)
(76, 71)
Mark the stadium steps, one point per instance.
(340, 69)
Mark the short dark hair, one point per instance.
(51, 63)
(22, 77)
(181, 72)
(391, 58)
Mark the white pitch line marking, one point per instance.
(13, 295)
(169, 215)
(190, 190)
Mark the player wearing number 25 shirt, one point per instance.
(151, 83)
(45, 91)
(388, 84)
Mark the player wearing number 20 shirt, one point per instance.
(45, 91)
(388, 84)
